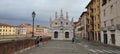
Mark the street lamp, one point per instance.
(33, 15)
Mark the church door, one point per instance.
(66, 34)
(55, 34)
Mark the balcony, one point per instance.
(104, 28)
(111, 28)
(118, 26)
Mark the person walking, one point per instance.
(73, 39)
(37, 41)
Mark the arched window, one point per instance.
(66, 34)
(61, 22)
(56, 23)
(55, 34)
(66, 23)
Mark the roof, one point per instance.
(4, 24)
(89, 3)
(83, 13)
(75, 22)
(79, 19)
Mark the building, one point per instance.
(83, 25)
(97, 20)
(6, 29)
(20, 30)
(46, 31)
(90, 19)
(94, 21)
(28, 29)
(75, 29)
(110, 22)
(42, 31)
(61, 28)
(38, 30)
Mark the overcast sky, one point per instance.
(15, 12)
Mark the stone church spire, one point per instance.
(55, 14)
(50, 21)
(66, 15)
(61, 12)
(72, 21)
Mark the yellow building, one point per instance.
(6, 29)
(93, 10)
(90, 20)
(97, 20)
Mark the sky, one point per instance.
(15, 12)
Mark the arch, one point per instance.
(66, 34)
(55, 34)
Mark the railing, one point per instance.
(111, 28)
(104, 28)
(10, 47)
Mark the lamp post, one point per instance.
(33, 15)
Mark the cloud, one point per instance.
(21, 10)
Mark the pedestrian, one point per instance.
(37, 41)
(73, 39)
(40, 38)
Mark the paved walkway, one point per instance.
(58, 47)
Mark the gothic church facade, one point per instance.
(61, 28)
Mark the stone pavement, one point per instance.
(97, 48)
(58, 47)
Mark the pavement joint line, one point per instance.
(92, 50)
(99, 50)
(107, 51)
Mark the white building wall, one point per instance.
(102, 35)
(111, 13)
(118, 38)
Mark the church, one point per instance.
(61, 28)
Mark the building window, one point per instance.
(111, 8)
(66, 34)
(9, 30)
(3, 30)
(61, 29)
(105, 23)
(61, 22)
(112, 22)
(67, 23)
(98, 26)
(0, 30)
(55, 23)
(104, 13)
(104, 2)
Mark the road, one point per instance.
(66, 47)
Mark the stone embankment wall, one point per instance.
(9, 47)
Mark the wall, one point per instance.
(11, 47)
